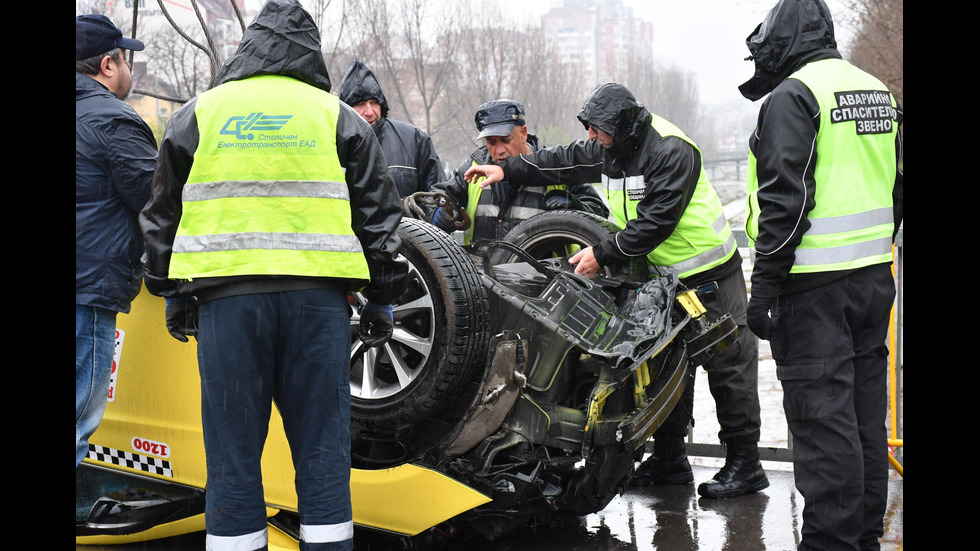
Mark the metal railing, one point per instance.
(895, 387)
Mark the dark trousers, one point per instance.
(831, 358)
(733, 375)
(294, 348)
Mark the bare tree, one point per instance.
(878, 46)
(666, 90)
(553, 92)
(102, 7)
(435, 68)
(479, 66)
(182, 65)
(333, 32)
(410, 49)
(482, 56)
(497, 59)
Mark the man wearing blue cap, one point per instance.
(115, 155)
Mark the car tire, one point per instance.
(554, 234)
(439, 340)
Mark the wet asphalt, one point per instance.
(652, 518)
(675, 518)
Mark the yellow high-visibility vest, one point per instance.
(852, 222)
(266, 194)
(702, 239)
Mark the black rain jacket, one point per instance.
(282, 40)
(670, 168)
(794, 33)
(412, 159)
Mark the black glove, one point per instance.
(561, 199)
(757, 314)
(182, 317)
(442, 220)
(377, 324)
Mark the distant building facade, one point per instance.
(601, 37)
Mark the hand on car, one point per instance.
(491, 173)
(585, 262)
(442, 220)
(561, 199)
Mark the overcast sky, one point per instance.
(705, 37)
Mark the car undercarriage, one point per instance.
(526, 389)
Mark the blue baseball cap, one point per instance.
(499, 117)
(95, 34)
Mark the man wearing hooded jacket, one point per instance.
(657, 190)
(412, 160)
(271, 201)
(825, 201)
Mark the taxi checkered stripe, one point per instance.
(132, 460)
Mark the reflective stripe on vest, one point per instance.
(266, 194)
(702, 239)
(852, 221)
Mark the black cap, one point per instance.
(95, 34)
(499, 117)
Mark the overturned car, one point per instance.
(513, 390)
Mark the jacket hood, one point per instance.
(612, 108)
(281, 40)
(792, 32)
(359, 84)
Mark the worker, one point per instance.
(271, 202)
(494, 212)
(653, 178)
(825, 201)
(412, 159)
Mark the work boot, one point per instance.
(742, 473)
(667, 465)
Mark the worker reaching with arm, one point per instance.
(653, 179)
